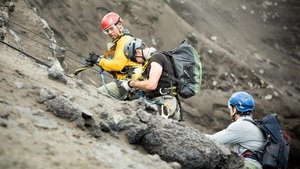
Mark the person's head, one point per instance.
(111, 25)
(241, 104)
(133, 50)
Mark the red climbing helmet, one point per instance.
(109, 20)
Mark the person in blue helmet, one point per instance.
(243, 137)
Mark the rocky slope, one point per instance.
(250, 46)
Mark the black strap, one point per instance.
(26, 54)
(181, 111)
(173, 78)
(162, 92)
(260, 151)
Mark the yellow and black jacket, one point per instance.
(117, 63)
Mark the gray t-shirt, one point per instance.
(241, 135)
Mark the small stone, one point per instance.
(213, 38)
(261, 71)
(214, 83)
(268, 97)
(243, 7)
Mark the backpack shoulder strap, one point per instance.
(261, 149)
(254, 122)
(251, 121)
(260, 127)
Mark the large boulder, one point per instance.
(173, 141)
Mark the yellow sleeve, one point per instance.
(119, 60)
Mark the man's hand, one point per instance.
(126, 86)
(92, 59)
(125, 89)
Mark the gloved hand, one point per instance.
(92, 59)
(125, 85)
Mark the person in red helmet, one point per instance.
(114, 60)
(112, 22)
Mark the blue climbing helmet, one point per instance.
(242, 101)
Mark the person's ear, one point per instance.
(138, 52)
(233, 109)
(119, 25)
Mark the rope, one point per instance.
(45, 64)
(44, 37)
(26, 54)
(48, 66)
(45, 45)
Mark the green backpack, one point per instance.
(188, 70)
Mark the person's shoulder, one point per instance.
(157, 54)
(157, 57)
(241, 124)
(237, 124)
(123, 40)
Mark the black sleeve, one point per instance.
(158, 58)
(164, 61)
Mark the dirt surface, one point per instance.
(244, 45)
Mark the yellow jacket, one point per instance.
(119, 61)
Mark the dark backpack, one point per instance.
(275, 151)
(187, 67)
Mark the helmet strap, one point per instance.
(143, 56)
(119, 28)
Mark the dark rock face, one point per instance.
(136, 133)
(61, 106)
(173, 141)
(184, 145)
